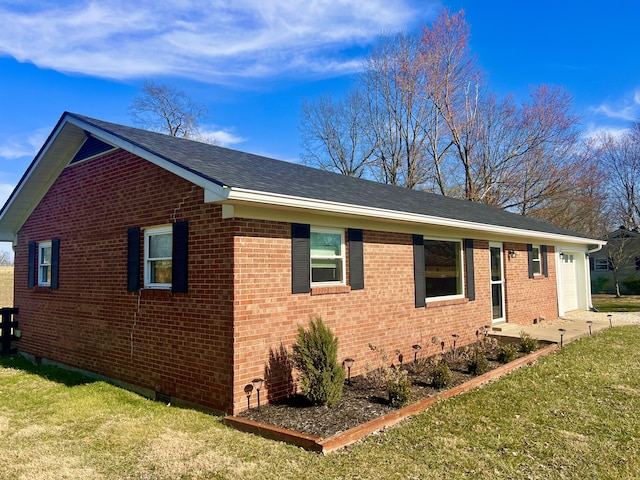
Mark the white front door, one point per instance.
(497, 282)
(569, 281)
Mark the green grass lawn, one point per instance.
(609, 303)
(573, 415)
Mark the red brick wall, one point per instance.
(529, 299)
(178, 344)
(383, 314)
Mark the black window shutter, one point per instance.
(420, 282)
(592, 265)
(356, 259)
(180, 258)
(530, 259)
(637, 263)
(31, 276)
(55, 262)
(469, 271)
(543, 260)
(133, 259)
(300, 258)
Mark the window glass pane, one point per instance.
(496, 300)
(326, 270)
(326, 244)
(535, 257)
(160, 271)
(160, 246)
(496, 265)
(45, 274)
(45, 256)
(443, 270)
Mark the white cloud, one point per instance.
(17, 147)
(202, 39)
(627, 108)
(597, 132)
(5, 191)
(220, 137)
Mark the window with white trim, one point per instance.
(535, 260)
(44, 264)
(158, 245)
(443, 269)
(327, 257)
(601, 264)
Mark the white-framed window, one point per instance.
(327, 257)
(601, 264)
(535, 260)
(443, 269)
(44, 264)
(158, 244)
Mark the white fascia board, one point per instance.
(194, 178)
(288, 201)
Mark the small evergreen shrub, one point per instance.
(442, 376)
(506, 353)
(398, 388)
(478, 363)
(528, 344)
(315, 355)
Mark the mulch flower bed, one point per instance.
(365, 397)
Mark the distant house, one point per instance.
(183, 269)
(618, 261)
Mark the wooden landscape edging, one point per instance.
(348, 437)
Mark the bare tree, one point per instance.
(621, 158)
(334, 134)
(6, 259)
(396, 112)
(164, 108)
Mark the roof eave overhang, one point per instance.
(56, 153)
(274, 200)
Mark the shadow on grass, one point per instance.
(52, 373)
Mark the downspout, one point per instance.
(588, 269)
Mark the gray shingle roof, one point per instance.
(233, 168)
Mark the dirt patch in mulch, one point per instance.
(364, 398)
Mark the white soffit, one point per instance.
(285, 201)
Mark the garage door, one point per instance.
(569, 282)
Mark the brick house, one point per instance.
(182, 269)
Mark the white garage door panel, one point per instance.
(569, 282)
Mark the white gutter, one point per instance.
(253, 196)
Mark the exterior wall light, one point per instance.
(512, 254)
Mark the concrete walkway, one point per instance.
(576, 325)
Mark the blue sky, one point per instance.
(252, 63)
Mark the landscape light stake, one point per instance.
(257, 383)
(486, 330)
(348, 362)
(610, 322)
(589, 322)
(561, 330)
(455, 339)
(416, 349)
(248, 389)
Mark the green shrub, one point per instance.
(528, 344)
(506, 353)
(600, 284)
(442, 376)
(398, 387)
(632, 285)
(315, 355)
(478, 363)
